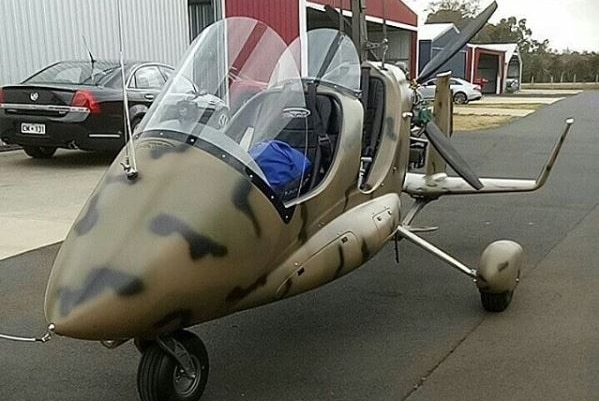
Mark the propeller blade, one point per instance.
(443, 145)
(465, 36)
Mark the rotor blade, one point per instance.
(442, 144)
(465, 36)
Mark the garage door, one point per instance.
(488, 68)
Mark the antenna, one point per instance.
(89, 52)
(130, 164)
(91, 56)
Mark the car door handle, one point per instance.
(149, 96)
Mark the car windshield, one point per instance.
(75, 73)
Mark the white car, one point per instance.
(463, 91)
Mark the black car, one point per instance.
(77, 105)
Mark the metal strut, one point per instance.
(179, 353)
(433, 250)
(417, 207)
(43, 339)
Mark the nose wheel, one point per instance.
(173, 368)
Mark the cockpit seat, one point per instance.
(301, 134)
(373, 116)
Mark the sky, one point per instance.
(568, 24)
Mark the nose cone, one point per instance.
(161, 251)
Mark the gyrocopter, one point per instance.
(258, 175)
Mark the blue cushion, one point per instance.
(280, 163)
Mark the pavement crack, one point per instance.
(432, 370)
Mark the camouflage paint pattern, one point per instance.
(192, 239)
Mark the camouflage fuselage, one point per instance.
(193, 239)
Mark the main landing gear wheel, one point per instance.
(496, 302)
(161, 377)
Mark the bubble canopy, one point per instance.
(332, 58)
(239, 90)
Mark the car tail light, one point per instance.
(86, 99)
(477, 87)
(2, 96)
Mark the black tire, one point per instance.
(134, 123)
(39, 152)
(460, 98)
(159, 376)
(496, 302)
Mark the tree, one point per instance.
(458, 12)
(466, 8)
(539, 60)
(508, 30)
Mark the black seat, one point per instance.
(298, 130)
(373, 116)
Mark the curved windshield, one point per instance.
(239, 90)
(332, 58)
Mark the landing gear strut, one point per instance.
(173, 368)
(497, 276)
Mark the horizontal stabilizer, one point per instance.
(434, 186)
(441, 184)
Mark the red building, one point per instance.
(293, 18)
(494, 65)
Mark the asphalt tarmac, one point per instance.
(414, 331)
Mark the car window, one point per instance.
(182, 85)
(74, 72)
(148, 78)
(431, 82)
(454, 82)
(167, 72)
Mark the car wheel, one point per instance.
(460, 98)
(40, 152)
(134, 123)
(220, 119)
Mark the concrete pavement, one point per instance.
(492, 105)
(506, 99)
(491, 111)
(39, 199)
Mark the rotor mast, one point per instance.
(359, 28)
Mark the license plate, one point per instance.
(34, 129)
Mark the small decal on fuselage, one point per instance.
(296, 112)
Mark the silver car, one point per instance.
(463, 91)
